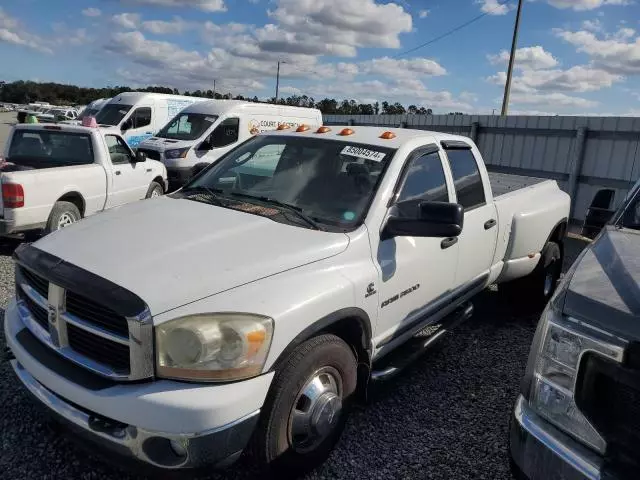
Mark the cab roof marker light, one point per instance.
(345, 132)
(303, 128)
(283, 126)
(388, 135)
(323, 130)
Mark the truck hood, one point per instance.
(605, 288)
(162, 144)
(171, 251)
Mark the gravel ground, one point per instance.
(445, 417)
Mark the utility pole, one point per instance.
(512, 58)
(214, 88)
(277, 81)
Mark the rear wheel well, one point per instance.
(160, 181)
(75, 198)
(558, 234)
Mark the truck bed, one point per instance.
(503, 183)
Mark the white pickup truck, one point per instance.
(278, 284)
(54, 175)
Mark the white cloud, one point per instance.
(413, 67)
(618, 53)
(204, 5)
(529, 58)
(91, 12)
(127, 20)
(495, 7)
(162, 27)
(593, 25)
(11, 31)
(576, 79)
(554, 100)
(581, 5)
(333, 27)
(423, 13)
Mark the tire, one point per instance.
(535, 290)
(277, 445)
(155, 190)
(62, 215)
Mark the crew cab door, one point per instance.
(129, 180)
(139, 126)
(414, 271)
(477, 242)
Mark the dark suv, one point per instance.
(578, 412)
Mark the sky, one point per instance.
(574, 56)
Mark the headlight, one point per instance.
(214, 346)
(562, 345)
(176, 153)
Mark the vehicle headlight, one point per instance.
(177, 153)
(563, 343)
(213, 346)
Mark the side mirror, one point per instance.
(205, 146)
(198, 167)
(425, 219)
(126, 125)
(599, 213)
(140, 157)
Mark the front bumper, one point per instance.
(210, 423)
(542, 452)
(220, 446)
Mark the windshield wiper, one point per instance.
(214, 193)
(290, 208)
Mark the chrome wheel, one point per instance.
(316, 411)
(65, 220)
(156, 192)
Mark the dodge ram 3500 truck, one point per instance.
(577, 415)
(246, 310)
(54, 175)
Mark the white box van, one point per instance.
(139, 115)
(203, 132)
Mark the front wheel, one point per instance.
(307, 407)
(538, 287)
(155, 190)
(62, 215)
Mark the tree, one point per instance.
(412, 110)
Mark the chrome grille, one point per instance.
(83, 330)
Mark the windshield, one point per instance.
(330, 182)
(112, 114)
(49, 148)
(630, 215)
(187, 126)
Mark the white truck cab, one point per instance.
(279, 282)
(204, 132)
(139, 115)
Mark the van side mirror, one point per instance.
(140, 157)
(599, 213)
(205, 146)
(424, 219)
(126, 125)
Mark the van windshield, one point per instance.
(49, 148)
(187, 126)
(330, 182)
(112, 114)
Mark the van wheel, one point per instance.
(535, 290)
(62, 215)
(306, 409)
(155, 190)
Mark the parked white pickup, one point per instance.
(278, 282)
(53, 175)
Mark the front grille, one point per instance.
(101, 350)
(36, 282)
(609, 395)
(38, 313)
(97, 314)
(151, 154)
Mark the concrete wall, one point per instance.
(584, 154)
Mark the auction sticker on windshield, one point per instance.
(363, 153)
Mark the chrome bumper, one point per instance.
(167, 451)
(542, 452)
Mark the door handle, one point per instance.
(448, 242)
(148, 170)
(118, 172)
(490, 224)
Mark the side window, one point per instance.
(424, 180)
(226, 133)
(466, 178)
(141, 117)
(118, 150)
